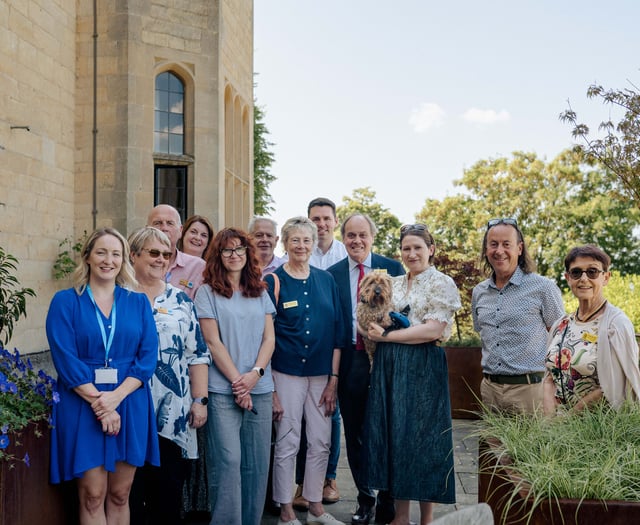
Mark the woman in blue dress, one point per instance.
(409, 448)
(104, 346)
(178, 386)
(236, 316)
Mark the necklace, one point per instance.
(592, 315)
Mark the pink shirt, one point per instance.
(186, 273)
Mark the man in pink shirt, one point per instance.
(185, 271)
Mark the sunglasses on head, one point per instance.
(157, 253)
(239, 251)
(592, 273)
(408, 227)
(504, 220)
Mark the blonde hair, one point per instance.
(139, 238)
(126, 276)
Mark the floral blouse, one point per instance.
(433, 295)
(181, 345)
(575, 372)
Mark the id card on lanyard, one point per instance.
(106, 375)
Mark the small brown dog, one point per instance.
(374, 305)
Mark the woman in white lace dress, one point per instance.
(408, 425)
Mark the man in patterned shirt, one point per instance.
(512, 311)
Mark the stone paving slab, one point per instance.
(465, 464)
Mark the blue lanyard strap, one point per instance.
(107, 343)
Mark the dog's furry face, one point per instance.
(375, 290)
(375, 303)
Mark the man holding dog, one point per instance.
(358, 232)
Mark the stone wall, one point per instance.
(46, 83)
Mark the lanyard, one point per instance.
(105, 342)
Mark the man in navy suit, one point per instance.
(358, 232)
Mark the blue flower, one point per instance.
(4, 441)
(27, 459)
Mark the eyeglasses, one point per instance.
(157, 253)
(504, 220)
(592, 273)
(238, 250)
(409, 227)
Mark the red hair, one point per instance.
(215, 274)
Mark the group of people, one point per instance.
(179, 344)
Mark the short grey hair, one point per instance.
(372, 225)
(258, 218)
(141, 236)
(295, 223)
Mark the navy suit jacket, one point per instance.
(340, 272)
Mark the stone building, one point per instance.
(110, 107)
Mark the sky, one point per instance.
(403, 96)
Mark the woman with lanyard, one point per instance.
(104, 347)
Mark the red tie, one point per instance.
(359, 340)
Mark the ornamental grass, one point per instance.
(592, 455)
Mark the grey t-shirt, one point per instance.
(241, 324)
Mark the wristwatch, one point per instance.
(201, 400)
(259, 370)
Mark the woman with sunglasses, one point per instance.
(409, 448)
(592, 354)
(178, 385)
(236, 316)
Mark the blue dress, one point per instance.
(77, 440)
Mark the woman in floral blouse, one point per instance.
(592, 354)
(408, 442)
(178, 385)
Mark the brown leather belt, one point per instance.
(524, 379)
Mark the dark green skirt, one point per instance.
(407, 438)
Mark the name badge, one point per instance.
(184, 282)
(380, 270)
(106, 376)
(290, 304)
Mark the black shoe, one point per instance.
(385, 514)
(362, 516)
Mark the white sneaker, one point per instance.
(292, 522)
(324, 519)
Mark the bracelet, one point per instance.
(335, 375)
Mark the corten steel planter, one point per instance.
(26, 497)
(465, 376)
(496, 488)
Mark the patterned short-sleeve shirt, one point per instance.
(512, 322)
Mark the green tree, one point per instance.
(619, 147)
(262, 160)
(558, 204)
(363, 201)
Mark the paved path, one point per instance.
(466, 466)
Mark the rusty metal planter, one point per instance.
(26, 497)
(465, 376)
(496, 487)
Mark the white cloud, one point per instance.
(486, 116)
(426, 117)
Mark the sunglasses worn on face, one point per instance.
(592, 273)
(504, 220)
(239, 251)
(157, 253)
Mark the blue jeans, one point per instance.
(334, 451)
(238, 445)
